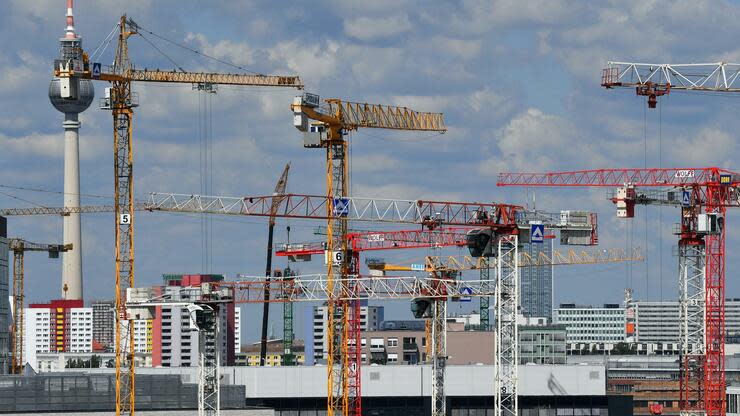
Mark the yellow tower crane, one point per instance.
(121, 100)
(334, 119)
(19, 247)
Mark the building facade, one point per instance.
(250, 354)
(57, 327)
(174, 343)
(5, 316)
(371, 318)
(658, 322)
(542, 344)
(589, 327)
(406, 344)
(536, 284)
(104, 323)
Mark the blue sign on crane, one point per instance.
(96, 70)
(537, 233)
(341, 207)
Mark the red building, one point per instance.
(61, 323)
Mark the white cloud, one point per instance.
(369, 163)
(536, 141)
(368, 28)
(710, 146)
(464, 48)
(313, 62)
(52, 145)
(238, 53)
(402, 191)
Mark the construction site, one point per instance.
(367, 261)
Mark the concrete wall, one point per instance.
(408, 381)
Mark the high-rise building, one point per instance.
(5, 319)
(57, 327)
(104, 323)
(174, 343)
(536, 285)
(370, 319)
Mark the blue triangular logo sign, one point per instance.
(537, 234)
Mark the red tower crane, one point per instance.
(701, 260)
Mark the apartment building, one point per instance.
(174, 342)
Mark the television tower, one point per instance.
(71, 96)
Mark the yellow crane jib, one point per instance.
(333, 116)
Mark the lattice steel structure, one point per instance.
(19, 248)
(507, 298)
(121, 101)
(708, 192)
(209, 379)
(335, 120)
(438, 324)
(655, 80)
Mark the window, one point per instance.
(363, 342)
(392, 358)
(392, 342)
(377, 342)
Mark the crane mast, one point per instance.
(19, 247)
(706, 193)
(336, 120)
(121, 100)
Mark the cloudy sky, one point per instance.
(518, 83)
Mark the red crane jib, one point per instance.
(387, 240)
(653, 177)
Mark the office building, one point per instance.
(174, 343)
(5, 315)
(658, 322)
(536, 285)
(589, 327)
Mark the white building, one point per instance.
(588, 326)
(179, 346)
(80, 330)
(659, 321)
(371, 318)
(60, 326)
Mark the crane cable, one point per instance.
(197, 52)
(104, 43)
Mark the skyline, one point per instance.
(519, 91)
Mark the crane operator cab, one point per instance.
(481, 242)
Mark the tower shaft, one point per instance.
(72, 260)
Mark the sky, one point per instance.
(518, 84)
